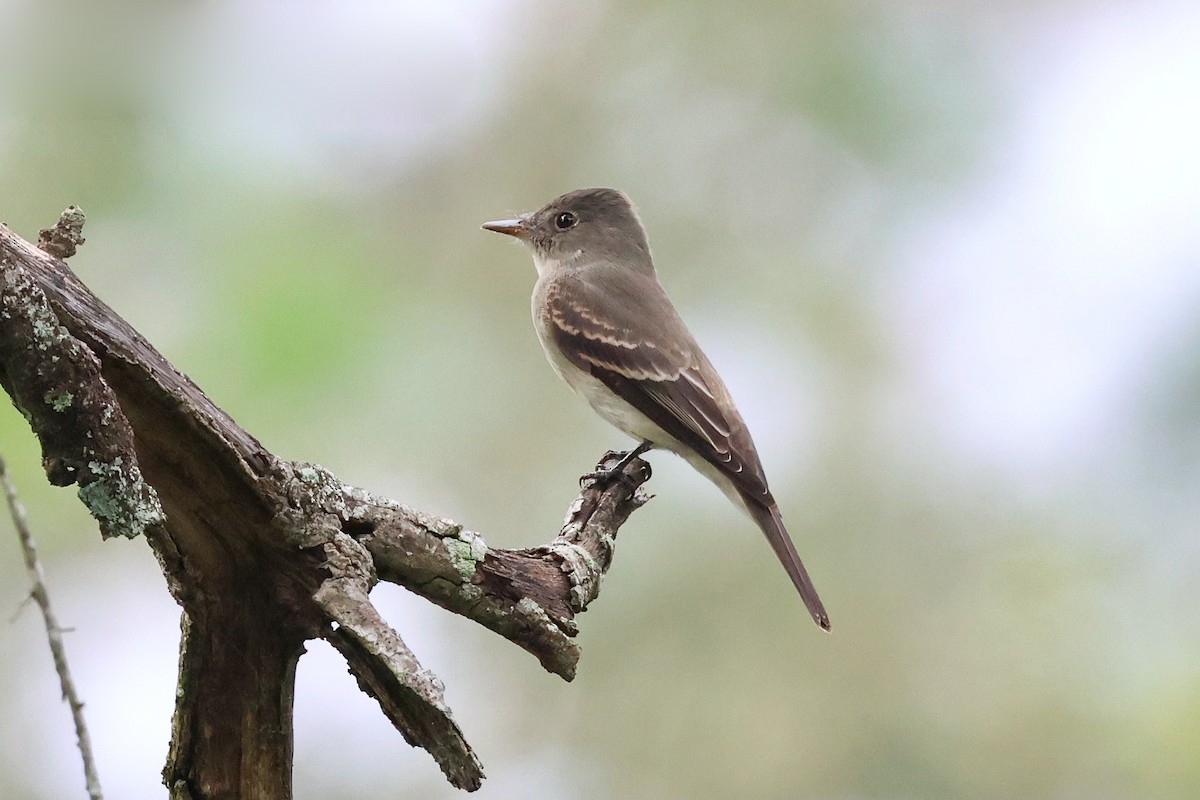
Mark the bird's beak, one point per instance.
(511, 227)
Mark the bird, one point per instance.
(610, 331)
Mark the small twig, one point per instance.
(53, 631)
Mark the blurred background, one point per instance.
(946, 255)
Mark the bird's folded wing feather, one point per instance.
(652, 361)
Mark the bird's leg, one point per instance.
(617, 473)
(628, 458)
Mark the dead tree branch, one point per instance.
(263, 553)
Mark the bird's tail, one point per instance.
(771, 523)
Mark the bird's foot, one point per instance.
(603, 477)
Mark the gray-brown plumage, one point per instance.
(610, 331)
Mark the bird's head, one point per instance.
(581, 227)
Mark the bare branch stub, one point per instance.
(64, 238)
(409, 695)
(263, 553)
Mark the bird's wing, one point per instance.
(650, 359)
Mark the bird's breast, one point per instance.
(612, 408)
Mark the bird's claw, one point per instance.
(617, 473)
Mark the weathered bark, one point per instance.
(263, 553)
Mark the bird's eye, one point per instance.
(565, 220)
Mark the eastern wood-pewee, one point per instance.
(612, 334)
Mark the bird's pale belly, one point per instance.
(608, 405)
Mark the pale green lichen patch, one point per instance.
(317, 487)
(120, 500)
(22, 299)
(46, 330)
(60, 401)
(535, 612)
(72, 219)
(583, 571)
(466, 550)
(438, 526)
